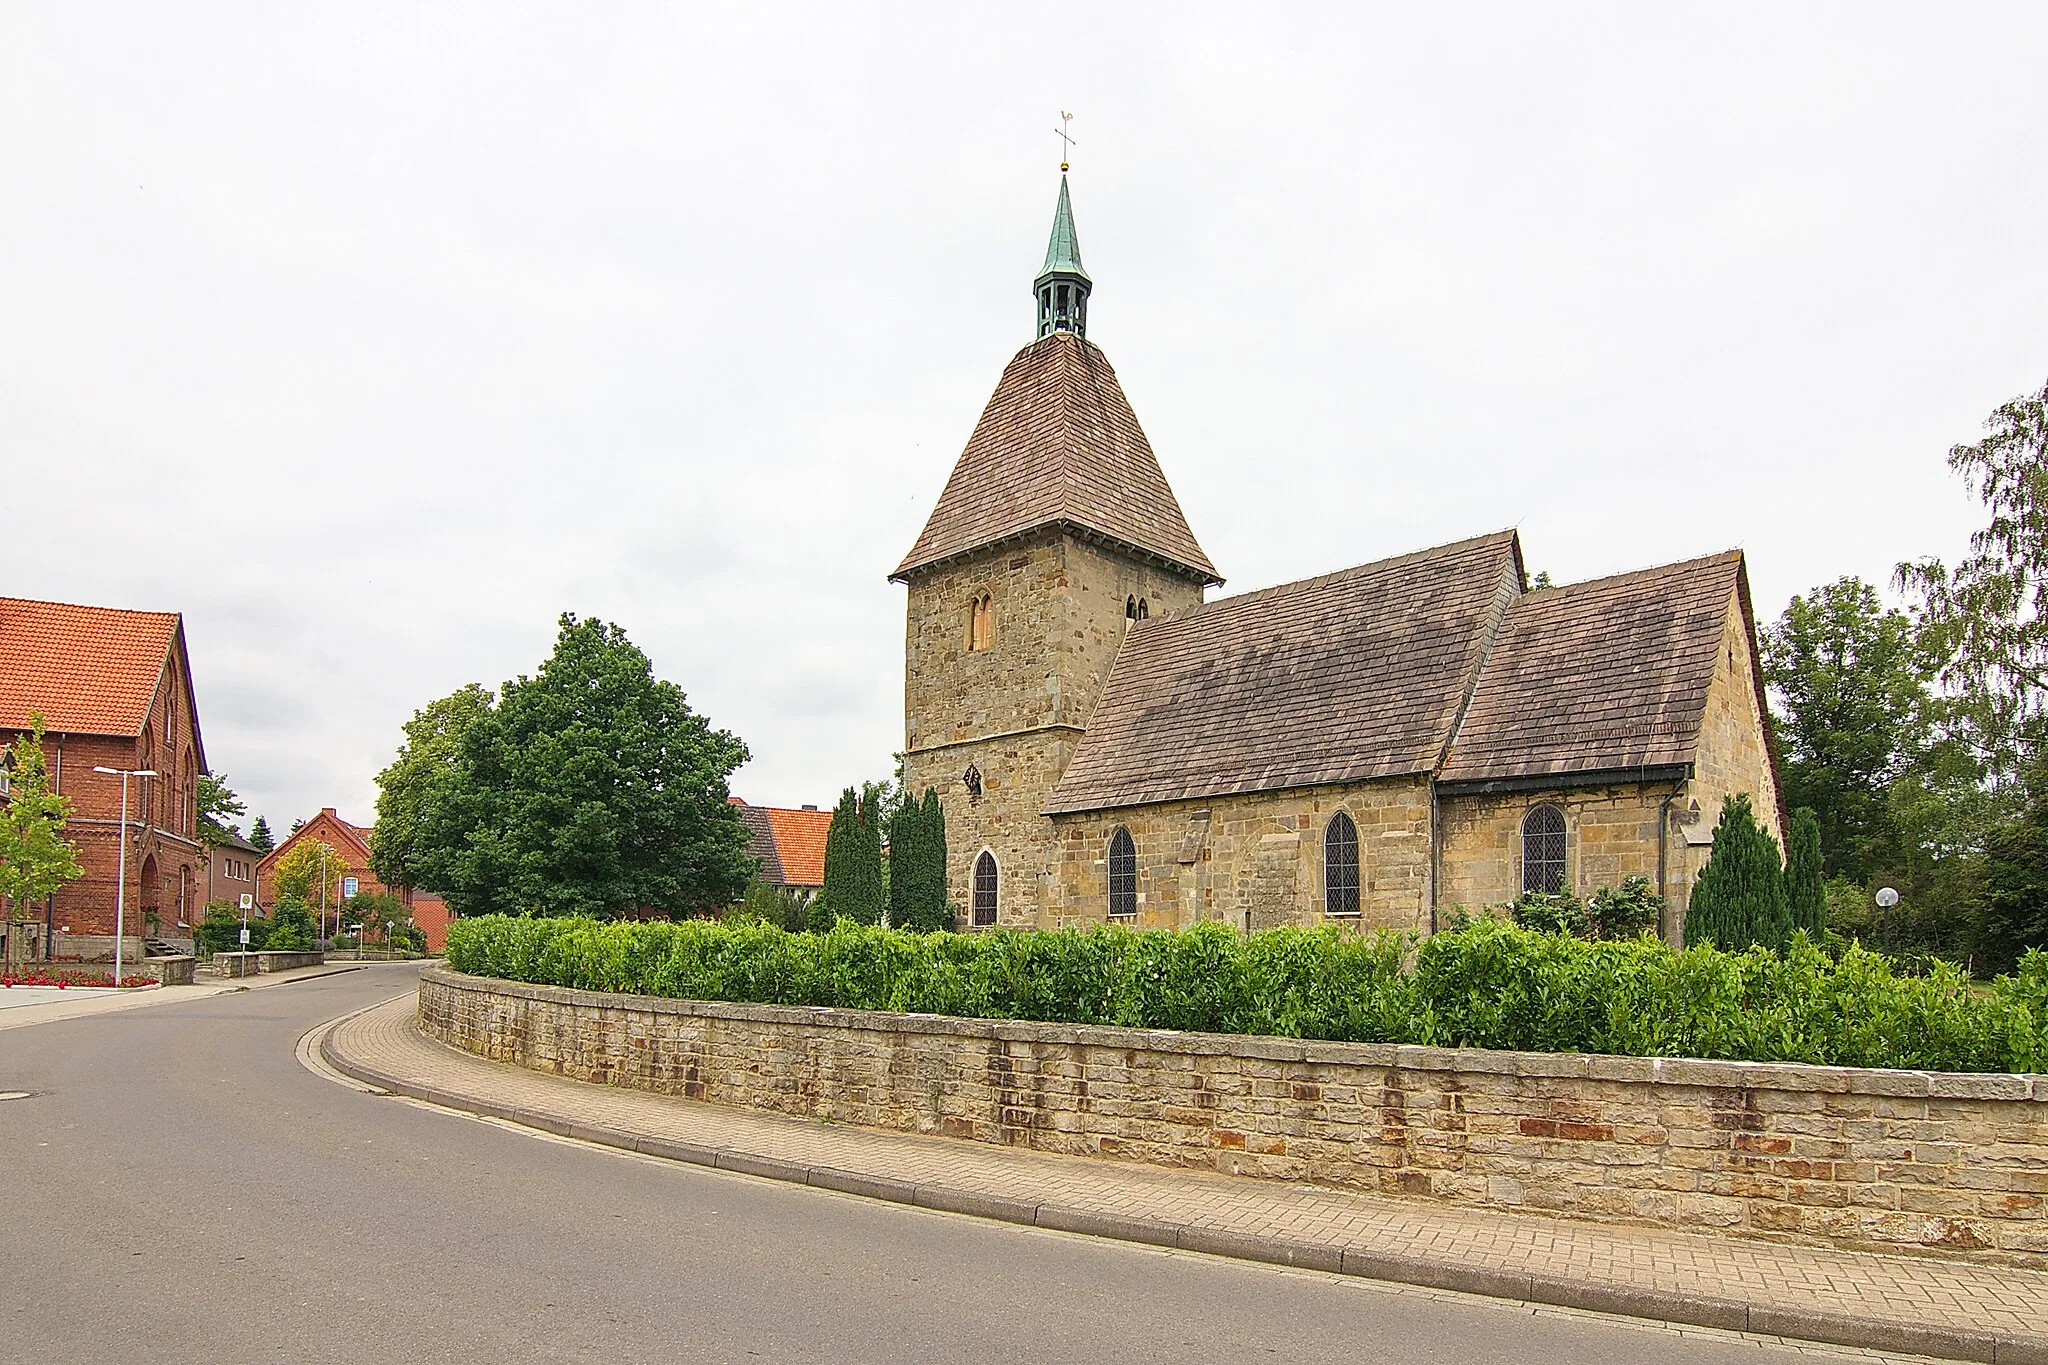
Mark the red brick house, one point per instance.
(114, 689)
(351, 843)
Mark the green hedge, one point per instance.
(1490, 985)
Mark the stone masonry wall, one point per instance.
(1253, 861)
(1014, 711)
(1609, 833)
(1857, 1158)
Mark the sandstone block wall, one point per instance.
(1253, 861)
(1856, 1158)
(1014, 711)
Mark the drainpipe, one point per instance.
(1435, 852)
(1663, 847)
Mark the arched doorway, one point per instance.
(145, 907)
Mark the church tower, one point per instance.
(1056, 531)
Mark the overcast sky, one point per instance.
(372, 337)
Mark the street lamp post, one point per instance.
(121, 862)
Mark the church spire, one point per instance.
(1062, 286)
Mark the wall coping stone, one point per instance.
(1700, 1073)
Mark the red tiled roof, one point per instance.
(87, 670)
(800, 844)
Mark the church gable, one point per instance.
(1059, 446)
(1352, 676)
(1606, 676)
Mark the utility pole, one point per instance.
(121, 862)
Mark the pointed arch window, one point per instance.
(985, 879)
(1340, 866)
(1123, 873)
(1130, 608)
(981, 623)
(1144, 609)
(1543, 850)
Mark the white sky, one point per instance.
(371, 337)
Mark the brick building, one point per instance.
(1374, 746)
(351, 845)
(114, 689)
(231, 868)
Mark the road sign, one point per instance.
(245, 936)
(248, 901)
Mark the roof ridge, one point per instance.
(88, 606)
(1699, 561)
(1341, 575)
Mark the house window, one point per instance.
(984, 890)
(1340, 866)
(1543, 850)
(981, 623)
(1123, 873)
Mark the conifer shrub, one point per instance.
(1739, 899)
(1490, 984)
(917, 866)
(1806, 889)
(853, 860)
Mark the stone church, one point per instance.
(1376, 746)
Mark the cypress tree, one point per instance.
(853, 860)
(1739, 899)
(259, 835)
(1804, 887)
(917, 865)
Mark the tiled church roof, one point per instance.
(1599, 676)
(87, 670)
(1354, 675)
(1058, 444)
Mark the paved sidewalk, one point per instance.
(1958, 1310)
(78, 1001)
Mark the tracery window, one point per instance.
(984, 890)
(981, 623)
(1543, 850)
(1123, 873)
(1340, 866)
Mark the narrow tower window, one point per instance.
(1144, 610)
(1340, 866)
(1123, 873)
(985, 890)
(981, 623)
(1130, 608)
(1543, 850)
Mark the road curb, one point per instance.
(1833, 1329)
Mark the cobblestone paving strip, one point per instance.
(1952, 1309)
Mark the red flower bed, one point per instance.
(43, 976)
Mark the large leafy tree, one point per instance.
(35, 857)
(1987, 616)
(426, 762)
(218, 807)
(310, 872)
(1848, 676)
(590, 788)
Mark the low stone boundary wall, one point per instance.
(249, 964)
(1890, 1160)
(170, 971)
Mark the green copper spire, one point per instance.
(1063, 286)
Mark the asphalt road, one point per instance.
(183, 1189)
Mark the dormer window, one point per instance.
(981, 623)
